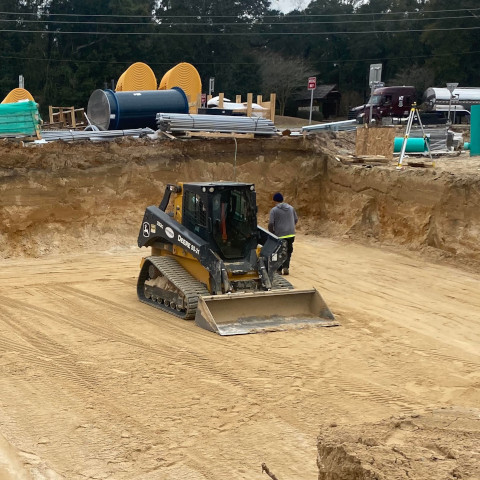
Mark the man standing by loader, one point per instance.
(282, 221)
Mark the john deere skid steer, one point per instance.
(211, 262)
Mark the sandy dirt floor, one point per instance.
(95, 385)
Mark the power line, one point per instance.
(209, 24)
(198, 16)
(240, 34)
(337, 61)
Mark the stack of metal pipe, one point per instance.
(178, 122)
(93, 135)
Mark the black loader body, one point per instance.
(209, 246)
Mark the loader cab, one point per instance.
(223, 214)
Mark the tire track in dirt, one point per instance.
(191, 352)
(52, 356)
(195, 362)
(384, 335)
(354, 389)
(59, 363)
(200, 362)
(203, 364)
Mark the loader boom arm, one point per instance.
(159, 226)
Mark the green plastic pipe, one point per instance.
(414, 145)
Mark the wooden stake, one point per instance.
(267, 471)
(249, 104)
(273, 101)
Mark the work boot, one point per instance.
(285, 271)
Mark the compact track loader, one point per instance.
(211, 262)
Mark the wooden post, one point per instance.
(72, 114)
(249, 104)
(220, 100)
(62, 116)
(273, 101)
(267, 111)
(259, 100)
(238, 99)
(50, 113)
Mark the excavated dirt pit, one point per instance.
(94, 384)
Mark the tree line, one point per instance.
(65, 49)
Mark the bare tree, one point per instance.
(283, 76)
(420, 77)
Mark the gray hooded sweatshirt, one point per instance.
(283, 219)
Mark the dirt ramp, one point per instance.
(442, 444)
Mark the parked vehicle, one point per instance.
(458, 103)
(385, 102)
(435, 106)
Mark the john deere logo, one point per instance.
(146, 229)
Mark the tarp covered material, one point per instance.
(21, 118)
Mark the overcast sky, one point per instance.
(287, 5)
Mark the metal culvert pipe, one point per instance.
(110, 110)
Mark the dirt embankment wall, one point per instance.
(59, 197)
(417, 208)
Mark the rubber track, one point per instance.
(279, 283)
(181, 279)
(189, 286)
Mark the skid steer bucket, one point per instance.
(241, 313)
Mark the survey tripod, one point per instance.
(413, 112)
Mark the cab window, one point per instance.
(194, 212)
